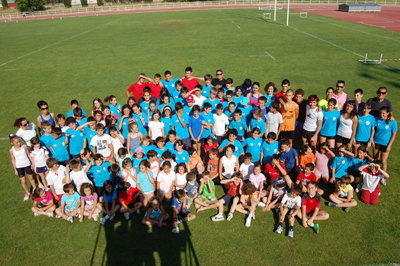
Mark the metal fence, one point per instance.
(108, 8)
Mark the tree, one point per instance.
(4, 4)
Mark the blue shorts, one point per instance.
(40, 170)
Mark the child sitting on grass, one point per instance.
(310, 208)
(70, 203)
(306, 176)
(155, 214)
(90, 206)
(232, 197)
(290, 204)
(207, 199)
(180, 210)
(43, 203)
(343, 195)
(275, 193)
(127, 197)
(110, 205)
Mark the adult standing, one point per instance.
(340, 96)
(44, 116)
(26, 130)
(378, 102)
(219, 81)
(137, 88)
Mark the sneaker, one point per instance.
(70, 219)
(50, 214)
(103, 220)
(26, 197)
(332, 204)
(358, 188)
(291, 233)
(35, 214)
(95, 217)
(254, 216)
(261, 204)
(175, 230)
(316, 228)
(279, 229)
(248, 220)
(112, 218)
(218, 217)
(58, 216)
(178, 221)
(126, 214)
(230, 216)
(347, 209)
(383, 181)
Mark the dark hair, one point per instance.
(181, 165)
(340, 81)
(196, 108)
(78, 112)
(247, 155)
(18, 121)
(178, 106)
(189, 69)
(51, 162)
(70, 120)
(285, 82)
(145, 163)
(106, 184)
(68, 187)
(74, 101)
(86, 185)
(310, 166)
(332, 101)
(41, 103)
(123, 186)
(167, 72)
(233, 131)
(359, 90)
(151, 153)
(180, 193)
(60, 116)
(353, 112)
(271, 135)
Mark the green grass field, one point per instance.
(58, 60)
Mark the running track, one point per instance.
(388, 18)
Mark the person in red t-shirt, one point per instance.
(282, 94)
(155, 85)
(137, 88)
(310, 207)
(127, 196)
(213, 162)
(232, 196)
(188, 81)
(306, 176)
(276, 169)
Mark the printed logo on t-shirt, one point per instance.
(98, 171)
(387, 127)
(368, 123)
(344, 161)
(334, 118)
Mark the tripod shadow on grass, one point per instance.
(132, 243)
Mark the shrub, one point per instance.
(67, 3)
(4, 4)
(100, 2)
(37, 5)
(84, 3)
(23, 5)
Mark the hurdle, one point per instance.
(377, 61)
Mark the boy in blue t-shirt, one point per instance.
(341, 164)
(179, 125)
(361, 159)
(207, 87)
(70, 203)
(180, 210)
(209, 121)
(76, 139)
(254, 145)
(230, 111)
(196, 128)
(232, 135)
(58, 147)
(213, 100)
(47, 137)
(257, 121)
(74, 104)
(100, 173)
(240, 124)
(290, 158)
(246, 109)
(269, 148)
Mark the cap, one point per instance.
(139, 150)
(245, 101)
(280, 182)
(190, 98)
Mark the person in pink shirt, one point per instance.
(258, 179)
(43, 203)
(340, 96)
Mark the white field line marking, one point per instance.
(328, 42)
(350, 28)
(51, 45)
(237, 25)
(4, 138)
(268, 54)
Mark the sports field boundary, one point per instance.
(159, 7)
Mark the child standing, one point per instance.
(76, 139)
(78, 175)
(145, 182)
(307, 156)
(274, 119)
(213, 163)
(247, 167)
(196, 127)
(57, 177)
(90, 206)
(165, 182)
(321, 162)
(156, 127)
(134, 137)
(221, 123)
(110, 206)
(102, 144)
(38, 156)
(100, 172)
(19, 154)
(180, 122)
(58, 146)
(290, 158)
(253, 145)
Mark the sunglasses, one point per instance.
(27, 123)
(381, 92)
(44, 108)
(340, 87)
(219, 74)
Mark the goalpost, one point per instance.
(275, 7)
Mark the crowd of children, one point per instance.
(175, 140)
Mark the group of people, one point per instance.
(162, 153)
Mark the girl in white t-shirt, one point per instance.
(156, 127)
(117, 139)
(165, 182)
(128, 173)
(228, 164)
(180, 180)
(38, 156)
